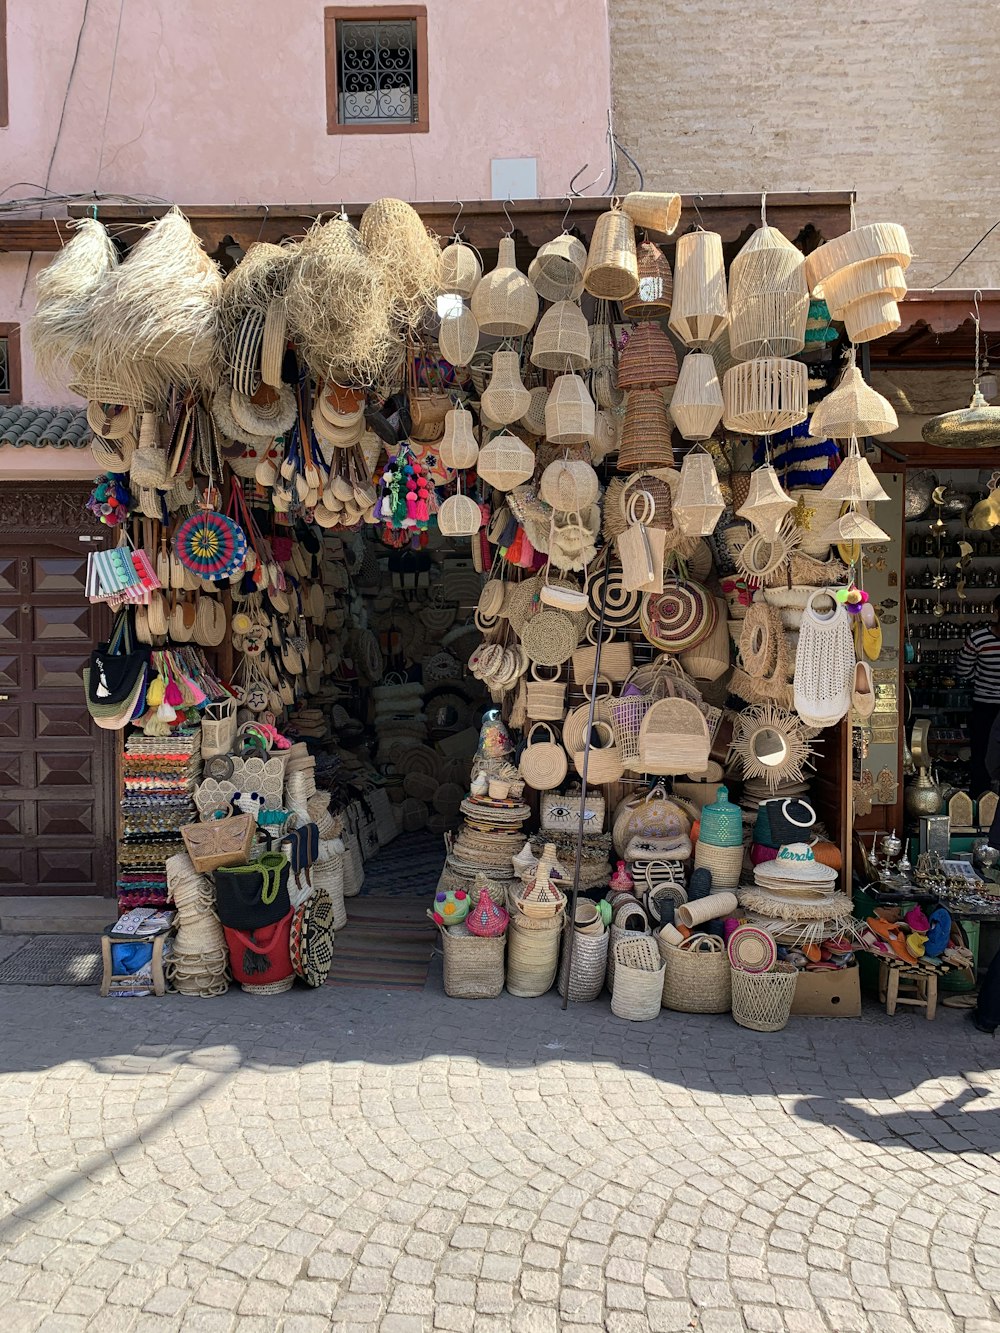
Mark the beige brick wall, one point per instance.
(899, 101)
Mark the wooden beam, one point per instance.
(949, 308)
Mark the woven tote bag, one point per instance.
(674, 738)
(825, 664)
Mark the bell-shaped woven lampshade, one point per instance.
(505, 461)
(854, 480)
(651, 299)
(612, 271)
(570, 413)
(645, 441)
(460, 269)
(569, 484)
(556, 272)
(648, 359)
(700, 307)
(458, 447)
(459, 516)
(696, 403)
(505, 399)
(852, 408)
(533, 420)
(458, 336)
(654, 210)
(768, 297)
(699, 502)
(504, 303)
(767, 503)
(562, 338)
(765, 396)
(853, 526)
(878, 240)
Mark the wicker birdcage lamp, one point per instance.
(504, 302)
(768, 297)
(696, 403)
(765, 395)
(570, 412)
(700, 306)
(505, 399)
(458, 447)
(699, 502)
(562, 338)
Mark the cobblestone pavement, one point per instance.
(350, 1159)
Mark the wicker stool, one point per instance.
(125, 981)
(899, 984)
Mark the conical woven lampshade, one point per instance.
(505, 461)
(556, 272)
(458, 336)
(853, 527)
(648, 359)
(458, 447)
(854, 480)
(852, 408)
(699, 501)
(504, 302)
(562, 338)
(651, 299)
(767, 504)
(700, 307)
(768, 297)
(505, 399)
(765, 395)
(460, 269)
(645, 441)
(696, 403)
(612, 271)
(570, 413)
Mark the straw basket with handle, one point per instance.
(637, 991)
(545, 696)
(697, 977)
(762, 1001)
(641, 546)
(219, 842)
(616, 657)
(628, 922)
(473, 964)
(674, 738)
(604, 763)
(543, 762)
(583, 979)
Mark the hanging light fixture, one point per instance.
(767, 503)
(854, 480)
(974, 427)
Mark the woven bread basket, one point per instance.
(637, 990)
(612, 271)
(696, 980)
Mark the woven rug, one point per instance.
(386, 945)
(408, 867)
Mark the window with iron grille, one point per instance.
(10, 364)
(376, 69)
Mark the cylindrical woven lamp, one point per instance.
(765, 395)
(700, 308)
(871, 317)
(505, 399)
(699, 503)
(458, 336)
(768, 297)
(872, 277)
(645, 441)
(570, 413)
(562, 338)
(460, 269)
(651, 299)
(696, 402)
(612, 271)
(504, 303)
(853, 408)
(556, 272)
(458, 447)
(505, 461)
(655, 210)
(648, 359)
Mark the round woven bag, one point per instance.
(544, 764)
(679, 618)
(621, 606)
(549, 638)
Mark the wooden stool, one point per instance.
(916, 986)
(125, 980)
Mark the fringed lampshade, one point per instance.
(458, 336)
(570, 413)
(696, 404)
(645, 441)
(505, 399)
(699, 501)
(458, 447)
(612, 271)
(505, 461)
(648, 359)
(700, 308)
(562, 338)
(556, 272)
(504, 302)
(878, 240)
(854, 480)
(460, 269)
(873, 277)
(768, 297)
(652, 298)
(767, 504)
(860, 275)
(765, 396)
(852, 408)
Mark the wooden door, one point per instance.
(57, 832)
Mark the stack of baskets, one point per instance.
(535, 928)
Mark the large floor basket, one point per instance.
(763, 1000)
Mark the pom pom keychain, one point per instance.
(110, 500)
(852, 598)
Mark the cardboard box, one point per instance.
(828, 994)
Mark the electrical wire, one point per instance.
(69, 84)
(111, 84)
(982, 238)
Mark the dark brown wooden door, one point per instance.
(56, 768)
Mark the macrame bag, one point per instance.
(824, 664)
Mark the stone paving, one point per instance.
(360, 1160)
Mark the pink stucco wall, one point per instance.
(224, 101)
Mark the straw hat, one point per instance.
(268, 419)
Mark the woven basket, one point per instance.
(545, 698)
(556, 272)
(570, 412)
(616, 658)
(532, 955)
(768, 297)
(562, 339)
(328, 877)
(506, 462)
(219, 842)
(695, 981)
(637, 990)
(473, 964)
(648, 359)
(645, 441)
(653, 210)
(652, 298)
(623, 926)
(765, 396)
(673, 738)
(584, 980)
(711, 659)
(724, 863)
(612, 271)
(762, 1001)
(504, 302)
(505, 399)
(700, 305)
(713, 907)
(604, 763)
(544, 764)
(549, 638)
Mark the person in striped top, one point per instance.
(979, 663)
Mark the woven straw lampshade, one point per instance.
(458, 336)
(569, 484)
(504, 303)
(505, 461)
(871, 317)
(505, 399)
(458, 447)
(872, 277)
(853, 408)
(648, 359)
(878, 240)
(612, 271)
(699, 502)
(533, 420)
(653, 210)
(460, 269)
(768, 297)
(556, 272)
(854, 480)
(570, 413)
(651, 299)
(562, 339)
(853, 527)
(700, 306)
(645, 441)
(696, 403)
(764, 396)
(767, 503)
(459, 516)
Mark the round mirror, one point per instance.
(769, 747)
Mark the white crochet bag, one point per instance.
(824, 664)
